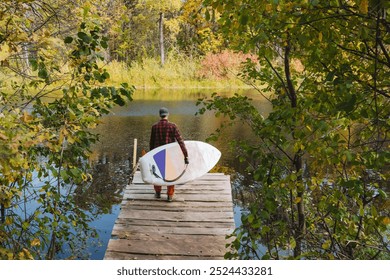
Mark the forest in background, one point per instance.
(142, 36)
(320, 169)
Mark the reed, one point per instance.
(176, 73)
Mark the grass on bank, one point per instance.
(176, 73)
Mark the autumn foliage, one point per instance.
(223, 65)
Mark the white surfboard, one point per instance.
(164, 165)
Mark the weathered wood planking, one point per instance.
(193, 226)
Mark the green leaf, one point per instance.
(75, 172)
(42, 73)
(104, 44)
(330, 76)
(97, 75)
(244, 19)
(64, 175)
(34, 64)
(266, 257)
(382, 193)
(207, 15)
(293, 243)
(68, 40)
(119, 100)
(314, 2)
(83, 36)
(105, 75)
(349, 105)
(374, 212)
(348, 155)
(25, 225)
(265, 229)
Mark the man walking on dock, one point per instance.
(165, 132)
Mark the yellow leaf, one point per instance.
(84, 176)
(70, 139)
(363, 7)
(3, 137)
(61, 138)
(80, 107)
(35, 37)
(5, 52)
(25, 254)
(35, 242)
(386, 221)
(326, 245)
(63, 133)
(8, 221)
(320, 36)
(26, 117)
(297, 199)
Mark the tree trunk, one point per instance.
(160, 27)
(301, 211)
(301, 227)
(2, 213)
(51, 251)
(25, 58)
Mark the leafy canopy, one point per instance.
(321, 162)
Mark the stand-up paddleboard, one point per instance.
(164, 165)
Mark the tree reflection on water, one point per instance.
(105, 190)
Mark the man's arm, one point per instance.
(180, 140)
(152, 139)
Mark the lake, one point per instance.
(112, 156)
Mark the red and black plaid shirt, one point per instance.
(164, 132)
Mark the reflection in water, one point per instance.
(105, 189)
(112, 156)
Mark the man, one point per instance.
(164, 132)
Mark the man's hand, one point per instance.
(186, 160)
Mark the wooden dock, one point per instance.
(193, 226)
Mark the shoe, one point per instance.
(157, 195)
(170, 198)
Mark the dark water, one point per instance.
(112, 156)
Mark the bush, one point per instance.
(223, 65)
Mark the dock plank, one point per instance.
(194, 226)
